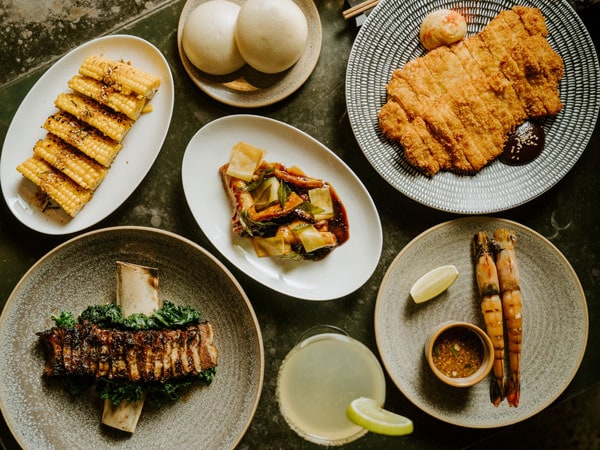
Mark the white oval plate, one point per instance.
(247, 87)
(140, 146)
(554, 338)
(344, 270)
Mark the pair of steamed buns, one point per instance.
(219, 36)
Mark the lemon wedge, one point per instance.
(433, 283)
(366, 413)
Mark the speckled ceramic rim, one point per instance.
(389, 38)
(480, 373)
(257, 89)
(230, 372)
(554, 339)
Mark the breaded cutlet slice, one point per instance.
(515, 24)
(445, 68)
(500, 41)
(551, 63)
(505, 107)
(447, 71)
(414, 89)
(476, 117)
(436, 148)
(517, 105)
(494, 114)
(532, 20)
(543, 68)
(418, 76)
(468, 88)
(396, 126)
(402, 93)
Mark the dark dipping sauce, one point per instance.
(524, 145)
(458, 352)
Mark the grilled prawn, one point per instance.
(508, 275)
(491, 307)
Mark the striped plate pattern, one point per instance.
(390, 37)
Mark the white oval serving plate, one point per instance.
(344, 270)
(141, 145)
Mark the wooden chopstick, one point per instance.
(359, 9)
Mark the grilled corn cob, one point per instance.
(83, 137)
(112, 124)
(121, 76)
(131, 105)
(69, 195)
(86, 172)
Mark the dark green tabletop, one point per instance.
(567, 214)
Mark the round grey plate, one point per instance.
(249, 88)
(390, 37)
(555, 322)
(82, 272)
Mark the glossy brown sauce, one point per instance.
(524, 145)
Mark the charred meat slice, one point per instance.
(146, 355)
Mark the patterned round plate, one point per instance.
(554, 338)
(389, 38)
(82, 272)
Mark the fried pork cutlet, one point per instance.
(453, 109)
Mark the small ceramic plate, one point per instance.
(389, 39)
(82, 272)
(141, 145)
(555, 322)
(249, 88)
(344, 270)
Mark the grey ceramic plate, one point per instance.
(555, 322)
(81, 272)
(389, 39)
(249, 88)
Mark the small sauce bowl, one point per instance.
(459, 353)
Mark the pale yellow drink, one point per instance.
(317, 381)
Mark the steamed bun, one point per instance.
(208, 37)
(271, 34)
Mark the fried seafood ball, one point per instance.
(442, 27)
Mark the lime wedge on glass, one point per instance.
(433, 283)
(366, 413)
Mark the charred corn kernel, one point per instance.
(120, 75)
(86, 172)
(131, 105)
(69, 195)
(112, 124)
(83, 137)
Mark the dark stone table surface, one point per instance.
(35, 34)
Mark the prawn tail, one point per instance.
(513, 389)
(496, 391)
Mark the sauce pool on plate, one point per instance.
(524, 145)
